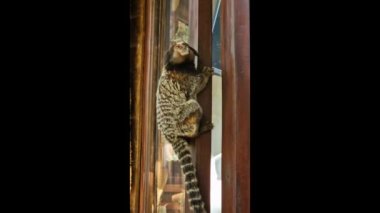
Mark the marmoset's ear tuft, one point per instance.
(168, 55)
(192, 49)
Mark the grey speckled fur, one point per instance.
(179, 113)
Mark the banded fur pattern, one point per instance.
(179, 113)
(188, 169)
(178, 117)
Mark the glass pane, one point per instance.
(216, 46)
(171, 195)
(216, 147)
(216, 134)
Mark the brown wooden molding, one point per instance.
(136, 48)
(155, 31)
(200, 39)
(236, 106)
(145, 200)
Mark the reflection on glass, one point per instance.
(216, 146)
(216, 134)
(170, 188)
(170, 191)
(216, 45)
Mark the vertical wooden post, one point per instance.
(148, 125)
(200, 38)
(236, 106)
(137, 43)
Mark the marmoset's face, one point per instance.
(181, 53)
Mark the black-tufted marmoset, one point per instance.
(179, 114)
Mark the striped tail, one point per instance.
(191, 184)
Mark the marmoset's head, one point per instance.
(178, 54)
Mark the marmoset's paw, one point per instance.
(208, 70)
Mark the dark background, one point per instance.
(312, 94)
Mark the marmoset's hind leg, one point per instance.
(190, 125)
(193, 126)
(187, 108)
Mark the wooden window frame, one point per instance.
(236, 106)
(235, 112)
(200, 11)
(153, 38)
